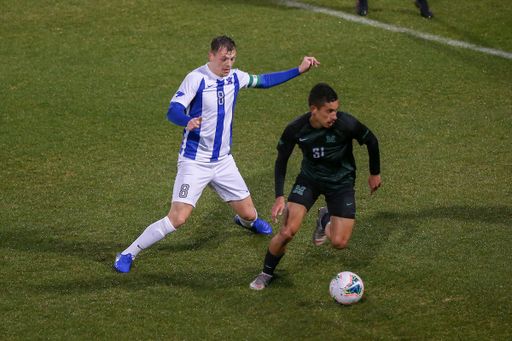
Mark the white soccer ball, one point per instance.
(346, 288)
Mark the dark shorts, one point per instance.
(340, 203)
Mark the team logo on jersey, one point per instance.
(299, 190)
(229, 80)
(331, 139)
(179, 94)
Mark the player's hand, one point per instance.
(307, 63)
(374, 182)
(278, 208)
(194, 123)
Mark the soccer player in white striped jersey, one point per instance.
(204, 105)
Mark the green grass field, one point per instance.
(88, 160)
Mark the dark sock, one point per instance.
(325, 220)
(271, 262)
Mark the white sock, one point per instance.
(248, 223)
(152, 234)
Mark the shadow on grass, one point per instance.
(377, 228)
(373, 231)
(202, 238)
(500, 214)
(196, 280)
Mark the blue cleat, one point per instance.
(261, 226)
(123, 262)
(257, 226)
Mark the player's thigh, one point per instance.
(341, 230)
(342, 202)
(304, 192)
(191, 179)
(228, 182)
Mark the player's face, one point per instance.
(325, 116)
(222, 61)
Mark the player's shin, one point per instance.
(248, 223)
(152, 234)
(271, 263)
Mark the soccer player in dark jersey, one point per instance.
(362, 8)
(325, 137)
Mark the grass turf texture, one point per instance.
(88, 161)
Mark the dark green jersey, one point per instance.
(327, 152)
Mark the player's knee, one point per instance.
(287, 237)
(177, 220)
(339, 244)
(286, 234)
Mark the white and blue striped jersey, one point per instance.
(205, 94)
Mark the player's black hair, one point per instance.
(222, 42)
(321, 94)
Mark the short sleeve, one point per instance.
(246, 80)
(188, 89)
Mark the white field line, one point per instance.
(392, 28)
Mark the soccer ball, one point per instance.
(346, 288)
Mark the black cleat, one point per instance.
(319, 232)
(424, 9)
(362, 7)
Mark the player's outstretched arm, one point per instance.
(269, 80)
(278, 208)
(307, 63)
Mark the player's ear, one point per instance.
(313, 108)
(210, 56)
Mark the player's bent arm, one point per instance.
(176, 114)
(280, 172)
(372, 144)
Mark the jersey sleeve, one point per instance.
(187, 90)
(284, 148)
(176, 114)
(266, 80)
(244, 78)
(360, 131)
(372, 145)
(363, 135)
